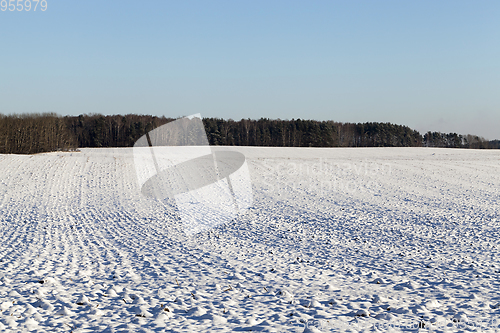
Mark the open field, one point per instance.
(354, 239)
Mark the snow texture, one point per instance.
(336, 240)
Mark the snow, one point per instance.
(336, 240)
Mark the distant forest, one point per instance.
(36, 133)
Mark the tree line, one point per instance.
(36, 133)
(308, 133)
(454, 140)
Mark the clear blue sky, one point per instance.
(431, 65)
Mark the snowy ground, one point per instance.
(337, 240)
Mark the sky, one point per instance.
(430, 65)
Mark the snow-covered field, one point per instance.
(352, 240)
